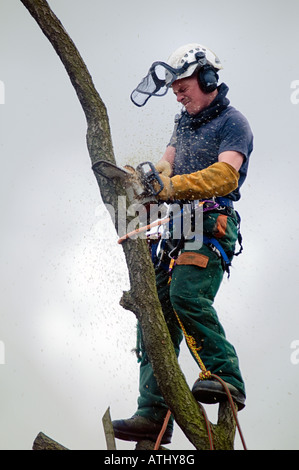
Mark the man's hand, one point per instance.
(164, 168)
(167, 191)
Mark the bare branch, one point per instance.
(43, 442)
(108, 429)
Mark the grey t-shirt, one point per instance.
(200, 139)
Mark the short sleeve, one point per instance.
(236, 135)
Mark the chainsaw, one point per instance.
(142, 184)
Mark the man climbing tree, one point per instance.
(208, 158)
(144, 302)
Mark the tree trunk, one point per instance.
(142, 297)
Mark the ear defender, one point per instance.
(207, 78)
(207, 75)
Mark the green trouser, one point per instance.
(191, 295)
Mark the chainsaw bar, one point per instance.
(143, 184)
(110, 171)
(132, 180)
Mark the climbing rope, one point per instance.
(163, 429)
(165, 423)
(208, 426)
(205, 374)
(232, 407)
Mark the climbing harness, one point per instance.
(160, 222)
(164, 246)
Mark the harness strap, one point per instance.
(224, 201)
(211, 241)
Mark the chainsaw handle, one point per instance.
(149, 176)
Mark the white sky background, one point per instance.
(67, 342)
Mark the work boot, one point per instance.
(212, 391)
(139, 428)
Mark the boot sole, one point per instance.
(211, 396)
(137, 437)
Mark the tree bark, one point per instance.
(142, 297)
(43, 442)
(108, 429)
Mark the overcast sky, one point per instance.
(64, 340)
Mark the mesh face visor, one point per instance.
(157, 82)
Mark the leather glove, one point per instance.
(163, 167)
(218, 179)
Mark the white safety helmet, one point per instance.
(189, 54)
(181, 64)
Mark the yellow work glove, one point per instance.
(164, 167)
(218, 179)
